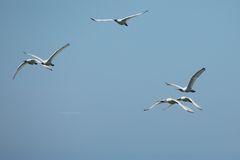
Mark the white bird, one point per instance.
(171, 102)
(48, 62)
(120, 21)
(188, 88)
(188, 99)
(23, 63)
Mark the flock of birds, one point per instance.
(35, 60)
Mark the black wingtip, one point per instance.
(66, 45)
(93, 19)
(203, 69)
(145, 109)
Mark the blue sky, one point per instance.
(91, 105)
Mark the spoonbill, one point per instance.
(188, 88)
(188, 99)
(171, 102)
(48, 62)
(120, 21)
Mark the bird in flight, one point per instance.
(120, 21)
(188, 88)
(171, 102)
(48, 62)
(188, 99)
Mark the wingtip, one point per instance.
(93, 19)
(14, 77)
(145, 109)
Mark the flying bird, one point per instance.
(188, 99)
(188, 88)
(23, 63)
(48, 62)
(171, 102)
(120, 21)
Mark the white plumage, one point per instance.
(23, 63)
(120, 21)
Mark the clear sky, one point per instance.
(91, 105)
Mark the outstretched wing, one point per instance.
(19, 68)
(174, 85)
(102, 20)
(132, 16)
(38, 58)
(184, 107)
(194, 103)
(152, 106)
(56, 53)
(194, 78)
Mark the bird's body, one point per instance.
(48, 62)
(120, 21)
(189, 87)
(171, 102)
(23, 63)
(188, 99)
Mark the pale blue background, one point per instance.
(91, 106)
